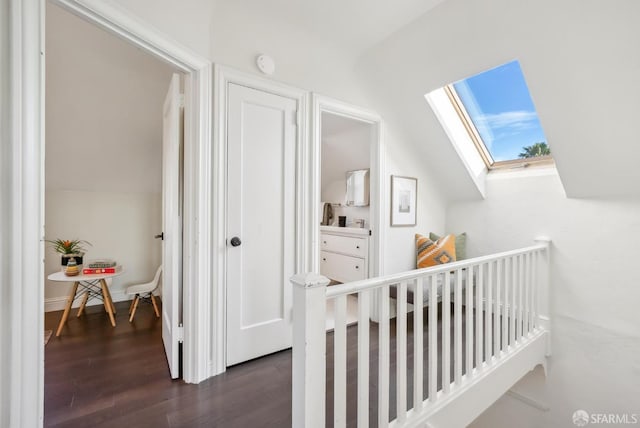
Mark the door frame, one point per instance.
(25, 197)
(378, 215)
(223, 76)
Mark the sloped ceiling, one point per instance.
(354, 25)
(581, 61)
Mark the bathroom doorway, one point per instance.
(348, 197)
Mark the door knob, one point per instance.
(235, 241)
(161, 236)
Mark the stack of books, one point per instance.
(101, 266)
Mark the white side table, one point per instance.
(90, 286)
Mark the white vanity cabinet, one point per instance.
(344, 253)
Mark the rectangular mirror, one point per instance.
(358, 188)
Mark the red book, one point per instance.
(92, 271)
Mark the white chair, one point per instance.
(144, 292)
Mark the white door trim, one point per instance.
(224, 76)
(22, 217)
(26, 197)
(378, 214)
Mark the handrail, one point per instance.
(372, 283)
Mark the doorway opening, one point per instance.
(348, 144)
(114, 183)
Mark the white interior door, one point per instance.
(261, 147)
(172, 224)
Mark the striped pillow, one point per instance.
(461, 244)
(430, 253)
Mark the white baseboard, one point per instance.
(58, 303)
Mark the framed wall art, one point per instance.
(404, 198)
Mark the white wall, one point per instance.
(594, 289)
(403, 159)
(103, 150)
(120, 225)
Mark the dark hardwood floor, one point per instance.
(100, 376)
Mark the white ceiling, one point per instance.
(355, 25)
(333, 124)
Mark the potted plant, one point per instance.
(69, 249)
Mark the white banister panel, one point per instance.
(486, 309)
(514, 292)
(446, 333)
(497, 310)
(457, 331)
(527, 291)
(364, 298)
(433, 337)
(506, 305)
(534, 281)
(418, 332)
(340, 363)
(401, 353)
(479, 339)
(488, 313)
(468, 309)
(520, 297)
(383, 357)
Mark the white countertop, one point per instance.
(345, 230)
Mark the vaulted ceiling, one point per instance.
(580, 58)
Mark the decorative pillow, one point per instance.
(430, 253)
(461, 244)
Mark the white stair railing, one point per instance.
(501, 299)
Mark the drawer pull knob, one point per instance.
(324, 242)
(358, 247)
(324, 259)
(357, 267)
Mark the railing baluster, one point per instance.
(457, 330)
(488, 314)
(418, 328)
(514, 281)
(534, 285)
(520, 296)
(383, 358)
(468, 310)
(446, 333)
(506, 305)
(340, 363)
(527, 289)
(433, 338)
(479, 337)
(497, 312)
(401, 352)
(363, 358)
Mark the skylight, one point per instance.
(496, 109)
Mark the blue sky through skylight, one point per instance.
(501, 108)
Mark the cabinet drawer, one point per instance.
(344, 244)
(342, 268)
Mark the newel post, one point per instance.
(544, 307)
(309, 350)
